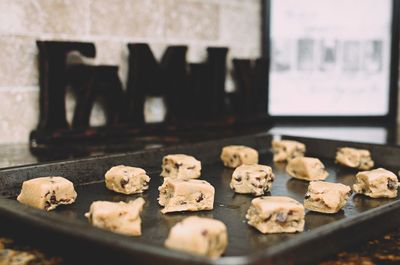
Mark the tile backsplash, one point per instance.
(111, 24)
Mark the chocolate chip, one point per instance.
(192, 167)
(350, 193)
(235, 156)
(267, 218)
(200, 198)
(258, 178)
(204, 233)
(123, 183)
(260, 186)
(281, 217)
(307, 196)
(392, 185)
(47, 205)
(47, 194)
(53, 199)
(183, 202)
(167, 170)
(177, 165)
(238, 178)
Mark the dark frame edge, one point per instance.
(389, 119)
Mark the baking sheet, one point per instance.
(246, 244)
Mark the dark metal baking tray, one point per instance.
(66, 228)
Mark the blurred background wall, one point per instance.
(111, 24)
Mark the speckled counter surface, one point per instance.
(384, 249)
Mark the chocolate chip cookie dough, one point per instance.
(326, 197)
(377, 183)
(119, 217)
(127, 180)
(252, 179)
(180, 166)
(186, 195)
(354, 158)
(307, 168)
(285, 150)
(235, 155)
(276, 214)
(47, 192)
(199, 236)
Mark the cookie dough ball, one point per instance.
(307, 168)
(235, 155)
(127, 180)
(354, 158)
(326, 197)
(186, 195)
(377, 183)
(119, 217)
(285, 150)
(180, 167)
(276, 214)
(47, 192)
(253, 179)
(199, 236)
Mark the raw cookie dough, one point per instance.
(284, 150)
(235, 155)
(186, 195)
(180, 167)
(377, 183)
(276, 214)
(326, 197)
(118, 217)
(47, 192)
(127, 180)
(354, 158)
(307, 168)
(254, 179)
(198, 236)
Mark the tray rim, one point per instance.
(163, 148)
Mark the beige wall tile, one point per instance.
(245, 52)
(32, 17)
(241, 23)
(19, 16)
(64, 16)
(18, 114)
(191, 20)
(18, 62)
(126, 18)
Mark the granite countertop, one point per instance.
(380, 250)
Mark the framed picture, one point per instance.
(332, 59)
